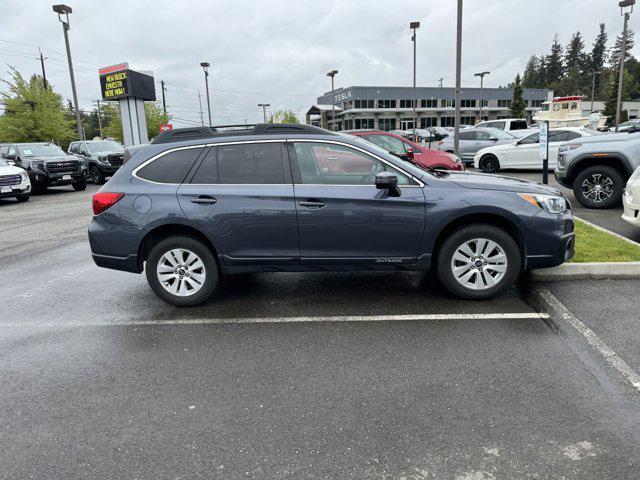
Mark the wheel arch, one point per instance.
(160, 232)
(617, 161)
(495, 219)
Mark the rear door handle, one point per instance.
(205, 200)
(312, 203)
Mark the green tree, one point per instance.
(533, 75)
(597, 58)
(616, 50)
(517, 104)
(153, 113)
(33, 113)
(630, 86)
(555, 65)
(575, 63)
(284, 116)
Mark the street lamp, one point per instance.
(624, 4)
(458, 96)
(332, 74)
(64, 10)
(264, 110)
(414, 26)
(205, 66)
(481, 75)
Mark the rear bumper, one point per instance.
(125, 264)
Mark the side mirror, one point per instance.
(388, 181)
(11, 162)
(410, 153)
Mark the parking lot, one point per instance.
(322, 375)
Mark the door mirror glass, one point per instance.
(388, 181)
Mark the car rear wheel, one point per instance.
(182, 271)
(599, 186)
(97, 176)
(489, 164)
(478, 261)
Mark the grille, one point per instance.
(115, 160)
(10, 180)
(62, 167)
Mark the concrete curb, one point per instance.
(589, 270)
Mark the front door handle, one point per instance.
(205, 200)
(312, 203)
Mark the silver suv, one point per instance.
(597, 168)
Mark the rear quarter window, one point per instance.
(172, 167)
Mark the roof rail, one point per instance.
(194, 133)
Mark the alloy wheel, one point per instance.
(181, 272)
(479, 264)
(597, 187)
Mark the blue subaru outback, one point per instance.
(199, 203)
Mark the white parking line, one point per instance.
(592, 339)
(345, 318)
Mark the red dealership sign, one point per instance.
(114, 68)
(165, 126)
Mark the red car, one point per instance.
(410, 151)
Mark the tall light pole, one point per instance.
(332, 74)
(64, 10)
(264, 110)
(414, 26)
(593, 87)
(623, 53)
(205, 66)
(481, 75)
(456, 133)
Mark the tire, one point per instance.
(610, 181)
(489, 164)
(182, 279)
(23, 198)
(96, 175)
(503, 254)
(80, 185)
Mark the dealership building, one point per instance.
(390, 108)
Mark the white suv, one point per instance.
(14, 182)
(631, 199)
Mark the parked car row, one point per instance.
(33, 167)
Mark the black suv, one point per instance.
(47, 165)
(199, 203)
(102, 158)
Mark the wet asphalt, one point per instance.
(87, 391)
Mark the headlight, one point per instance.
(570, 146)
(628, 195)
(550, 203)
(36, 165)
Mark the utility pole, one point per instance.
(593, 88)
(200, 103)
(441, 82)
(264, 110)
(332, 74)
(623, 4)
(481, 75)
(456, 138)
(66, 10)
(164, 102)
(99, 118)
(44, 74)
(414, 26)
(205, 66)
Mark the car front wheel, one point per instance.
(599, 186)
(478, 261)
(80, 185)
(182, 271)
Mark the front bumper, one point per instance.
(23, 188)
(55, 179)
(631, 213)
(551, 240)
(562, 178)
(108, 169)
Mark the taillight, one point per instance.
(102, 201)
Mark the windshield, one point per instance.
(501, 134)
(104, 146)
(41, 150)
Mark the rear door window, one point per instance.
(171, 167)
(251, 163)
(389, 143)
(519, 125)
(468, 135)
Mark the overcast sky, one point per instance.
(278, 51)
